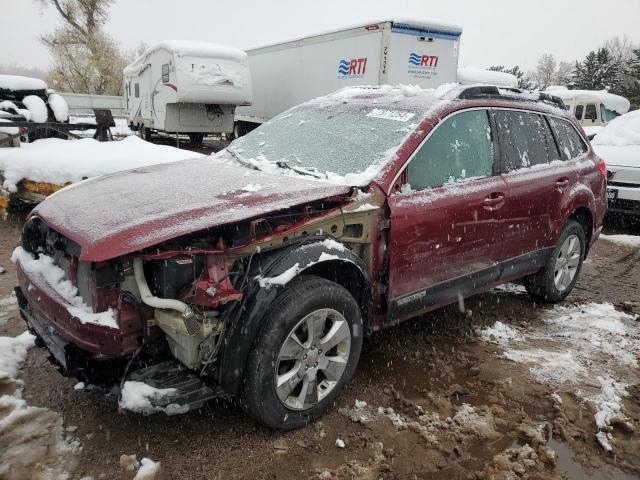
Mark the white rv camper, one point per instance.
(389, 51)
(186, 87)
(594, 109)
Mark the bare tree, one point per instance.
(86, 60)
(544, 73)
(549, 71)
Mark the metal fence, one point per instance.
(83, 104)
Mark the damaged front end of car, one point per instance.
(186, 310)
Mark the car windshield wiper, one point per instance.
(301, 171)
(240, 160)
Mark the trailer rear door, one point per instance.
(427, 58)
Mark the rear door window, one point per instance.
(570, 142)
(460, 148)
(525, 139)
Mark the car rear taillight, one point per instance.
(21, 130)
(602, 166)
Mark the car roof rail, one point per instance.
(509, 93)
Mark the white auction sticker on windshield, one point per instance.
(396, 115)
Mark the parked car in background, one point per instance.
(257, 273)
(592, 108)
(619, 145)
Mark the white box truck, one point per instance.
(385, 52)
(186, 87)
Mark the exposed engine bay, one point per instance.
(183, 295)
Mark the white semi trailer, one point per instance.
(186, 87)
(385, 52)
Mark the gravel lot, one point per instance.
(442, 400)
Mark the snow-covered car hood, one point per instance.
(123, 212)
(619, 156)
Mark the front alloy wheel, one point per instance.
(313, 359)
(305, 354)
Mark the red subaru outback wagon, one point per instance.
(256, 273)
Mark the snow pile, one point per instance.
(54, 276)
(12, 108)
(576, 344)
(473, 75)
(149, 470)
(59, 161)
(625, 240)
(499, 332)
(16, 82)
(32, 440)
(141, 398)
(252, 187)
(13, 351)
(36, 107)
(613, 102)
(59, 107)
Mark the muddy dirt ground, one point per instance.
(440, 403)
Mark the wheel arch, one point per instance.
(584, 217)
(273, 271)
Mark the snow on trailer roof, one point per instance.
(613, 102)
(188, 48)
(425, 26)
(17, 82)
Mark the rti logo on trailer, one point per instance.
(354, 68)
(423, 61)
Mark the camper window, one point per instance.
(579, 111)
(165, 73)
(136, 88)
(606, 114)
(591, 113)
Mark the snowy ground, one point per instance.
(512, 390)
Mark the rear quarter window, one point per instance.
(525, 139)
(569, 140)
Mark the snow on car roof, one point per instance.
(613, 102)
(17, 82)
(410, 97)
(471, 75)
(423, 25)
(190, 48)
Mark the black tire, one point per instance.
(300, 298)
(146, 134)
(196, 139)
(542, 285)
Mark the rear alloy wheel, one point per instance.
(559, 276)
(306, 353)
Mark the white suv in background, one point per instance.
(618, 144)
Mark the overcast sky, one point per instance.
(507, 32)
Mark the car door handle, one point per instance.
(562, 182)
(493, 201)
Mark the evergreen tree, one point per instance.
(523, 81)
(632, 89)
(600, 70)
